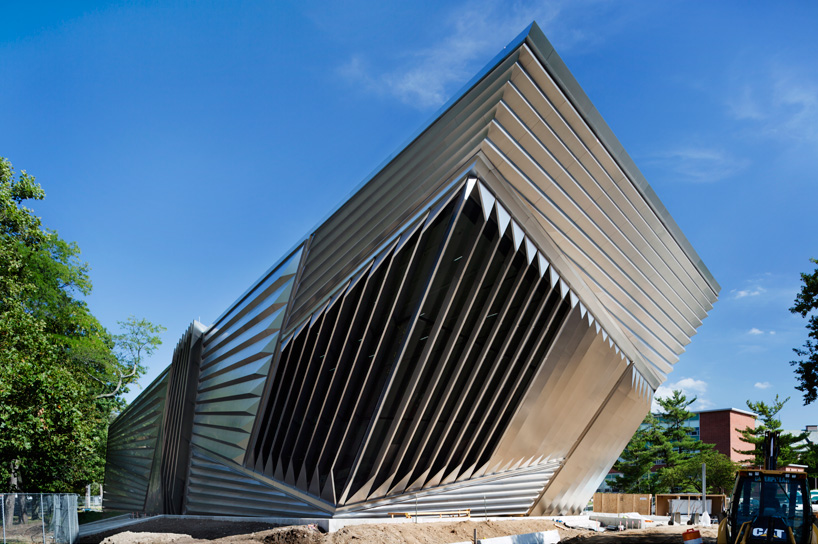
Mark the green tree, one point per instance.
(678, 451)
(768, 421)
(806, 369)
(57, 362)
(138, 341)
(721, 472)
(662, 457)
(638, 459)
(809, 458)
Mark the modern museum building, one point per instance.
(481, 325)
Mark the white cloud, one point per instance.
(699, 164)
(744, 106)
(690, 387)
(472, 34)
(762, 385)
(755, 331)
(749, 292)
(779, 99)
(702, 404)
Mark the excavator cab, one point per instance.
(770, 506)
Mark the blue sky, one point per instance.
(186, 146)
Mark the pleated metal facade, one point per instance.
(481, 325)
(133, 441)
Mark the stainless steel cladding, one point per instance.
(480, 326)
(133, 440)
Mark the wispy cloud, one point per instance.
(779, 99)
(755, 331)
(762, 385)
(750, 348)
(699, 164)
(766, 288)
(753, 291)
(426, 78)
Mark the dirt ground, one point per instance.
(653, 535)
(174, 531)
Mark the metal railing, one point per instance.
(50, 518)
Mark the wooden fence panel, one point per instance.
(621, 503)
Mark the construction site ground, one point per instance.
(189, 531)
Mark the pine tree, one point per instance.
(639, 457)
(768, 421)
(663, 457)
(679, 451)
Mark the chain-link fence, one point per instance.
(50, 518)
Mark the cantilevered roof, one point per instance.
(525, 126)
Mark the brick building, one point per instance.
(718, 427)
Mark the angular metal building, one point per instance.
(482, 325)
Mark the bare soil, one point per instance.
(174, 531)
(664, 534)
(165, 530)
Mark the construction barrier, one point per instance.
(621, 503)
(689, 503)
(49, 518)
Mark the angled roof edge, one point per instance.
(534, 37)
(548, 56)
(506, 51)
(416, 135)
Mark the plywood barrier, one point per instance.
(620, 503)
(689, 503)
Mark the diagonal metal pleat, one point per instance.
(487, 408)
(325, 374)
(431, 343)
(286, 407)
(328, 456)
(531, 356)
(352, 376)
(485, 368)
(352, 395)
(445, 448)
(270, 414)
(306, 390)
(408, 387)
(450, 354)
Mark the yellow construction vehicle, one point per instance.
(769, 505)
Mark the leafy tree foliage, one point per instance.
(809, 457)
(768, 420)
(721, 472)
(806, 369)
(57, 362)
(662, 457)
(139, 340)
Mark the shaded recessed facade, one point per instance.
(481, 325)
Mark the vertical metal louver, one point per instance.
(132, 443)
(178, 417)
(407, 378)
